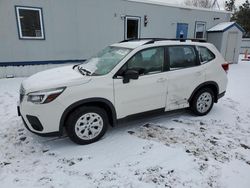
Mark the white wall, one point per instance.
(216, 39)
(220, 40)
(78, 29)
(245, 45)
(237, 45)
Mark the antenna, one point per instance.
(216, 4)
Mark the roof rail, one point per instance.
(153, 40)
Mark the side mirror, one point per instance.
(130, 75)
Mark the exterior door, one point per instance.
(231, 46)
(184, 76)
(132, 27)
(149, 91)
(182, 30)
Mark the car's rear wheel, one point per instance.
(202, 102)
(86, 124)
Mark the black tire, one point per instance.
(72, 124)
(197, 108)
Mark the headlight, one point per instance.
(45, 96)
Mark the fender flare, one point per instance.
(203, 85)
(86, 101)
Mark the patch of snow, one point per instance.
(175, 149)
(54, 78)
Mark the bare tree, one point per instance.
(230, 5)
(200, 3)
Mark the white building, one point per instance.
(45, 33)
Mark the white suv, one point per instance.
(124, 79)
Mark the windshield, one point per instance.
(104, 61)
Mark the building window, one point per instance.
(132, 28)
(30, 23)
(200, 30)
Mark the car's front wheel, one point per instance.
(203, 102)
(86, 124)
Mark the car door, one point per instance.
(146, 93)
(184, 76)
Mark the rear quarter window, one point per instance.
(205, 54)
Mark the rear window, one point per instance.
(205, 54)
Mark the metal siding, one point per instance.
(78, 30)
(216, 39)
(220, 39)
(245, 45)
(237, 45)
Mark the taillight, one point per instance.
(225, 66)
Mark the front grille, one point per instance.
(21, 93)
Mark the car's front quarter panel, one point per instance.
(98, 87)
(50, 114)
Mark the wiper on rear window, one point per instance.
(84, 71)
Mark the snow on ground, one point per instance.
(175, 149)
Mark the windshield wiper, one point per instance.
(76, 65)
(84, 71)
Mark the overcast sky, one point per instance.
(221, 2)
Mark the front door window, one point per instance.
(149, 61)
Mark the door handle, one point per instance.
(160, 80)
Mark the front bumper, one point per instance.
(52, 134)
(43, 120)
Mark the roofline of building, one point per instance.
(177, 6)
(230, 26)
(52, 62)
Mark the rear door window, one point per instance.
(182, 57)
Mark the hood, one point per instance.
(54, 78)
